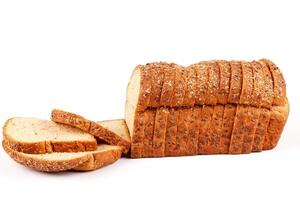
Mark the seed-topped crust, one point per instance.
(213, 83)
(157, 78)
(268, 93)
(182, 132)
(179, 89)
(279, 86)
(251, 122)
(225, 73)
(193, 128)
(261, 130)
(167, 92)
(159, 134)
(236, 82)
(148, 133)
(171, 132)
(190, 92)
(259, 84)
(137, 144)
(202, 82)
(145, 87)
(247, 84)
(205, 125)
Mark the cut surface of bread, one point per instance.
(114, 132)
(36, 136)
(58, 162)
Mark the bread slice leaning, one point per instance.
(114, 132)
(58, 162)
(37, 136)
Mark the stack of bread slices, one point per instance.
(211, 107)
(68, 142)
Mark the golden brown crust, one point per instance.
(47, 146)
(204, 127)
(202, 80)
(100, 159)
(227, 127)
(182, 133)
(148, 133)
(157, 79)
(278, 118)
(159, 134)
(193, 128)
(214, 139)
(268, 93)
(258, 85)
(261, 130)
(93, 128)
(237, 135)
(236, 82)
(145, 87)
(179, 89)
(137, 144)
(190, 89)
(167, 92)
(171, 132)
(250, 125)
(213, 83)
(247, 84)
(279, 87)
(42, 164)
(225, 74)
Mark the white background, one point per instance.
(78, 55)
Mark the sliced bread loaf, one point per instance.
(114, 132)
(57, 162)
(37, 136)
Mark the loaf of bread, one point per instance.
(211, 107)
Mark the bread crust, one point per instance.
(279, 87)
(182, 133)
(227, 127)
(236, 82)
(190, 89)
(193, 128)
(157, 79)
(94, 128)
(205, 125)
(268, 94)
(258, 84)
(251, 122)
(213, 83)
(137, 144)
(46, 146)
(261, 130)
(99, 159)
(42, 164)
(148, 133)
(171, 132)
(247, 97)
(201, 83)
(237, 135)
(145, 87)
(278, 118)
(214, 140)
(225, 74)
(168, 85)
(159, 134)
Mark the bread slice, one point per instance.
(37, 136)
(159, 134)
(171, 132)
(190, 82)
(279, 86)
(237, 135)
(157, 79)
(201, 85)
(114, 132)
(261, 130)
(167, 92)
(251, 122)
(247, 84)
(227, 127)
(278, 118)
(215, 132)
(258, 84)
(195, 113)
(268, 93)
(213, 83)
(148, 133)
(236, 82)
(224, 89)
(137, 138)
(205, 125)
(179, 89)
(58, 162)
